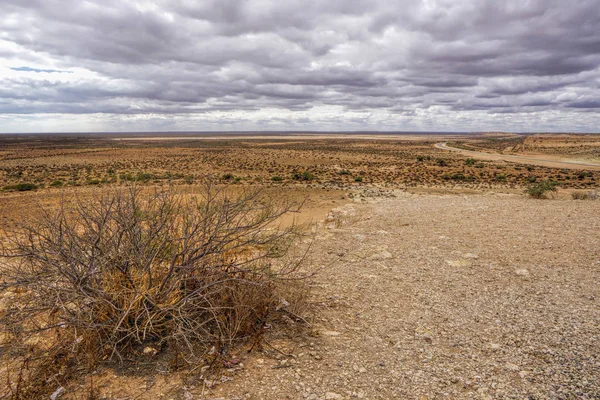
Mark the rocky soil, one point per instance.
(422, 296)
(478, 296)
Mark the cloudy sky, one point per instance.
(428, 65)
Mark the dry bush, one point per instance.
(131, 269)
(591, 195)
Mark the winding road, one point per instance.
(541, 160)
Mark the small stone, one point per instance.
(512, 367)
(333, 396)
(362, 370)
(522, 374)
(522, 272)
(457, 263)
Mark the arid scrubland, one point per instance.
(437, 275)
(581, 146)
(393, 162)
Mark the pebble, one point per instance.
(522, 272)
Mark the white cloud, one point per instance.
(321, 65)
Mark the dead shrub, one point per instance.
(591, 195)
(132, 269)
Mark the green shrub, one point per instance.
(21, 187)
(441, 162)
(228, 176)
(94, 182)
(139, 177)
(276, 178)
(540, 189)
(127, 177)
(358, 179)
(462, 177)
(581, 176)
(305, 176)
(57, 183)
(470, 161)
(143, 176)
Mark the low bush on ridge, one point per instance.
(540, 190)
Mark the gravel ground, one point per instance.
(478, 296)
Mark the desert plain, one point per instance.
(439, 277)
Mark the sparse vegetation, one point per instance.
(541, 189)
(128, 318)
(109, 278)
(304, 176)
(585, 195)
(21, 187)
(405, 163)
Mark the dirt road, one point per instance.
(541, 160)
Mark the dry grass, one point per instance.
(591, 195)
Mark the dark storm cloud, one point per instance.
(395, 58)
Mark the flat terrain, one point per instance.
(574, 147)
(344, 161)
(543, 160)
(440, 278)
